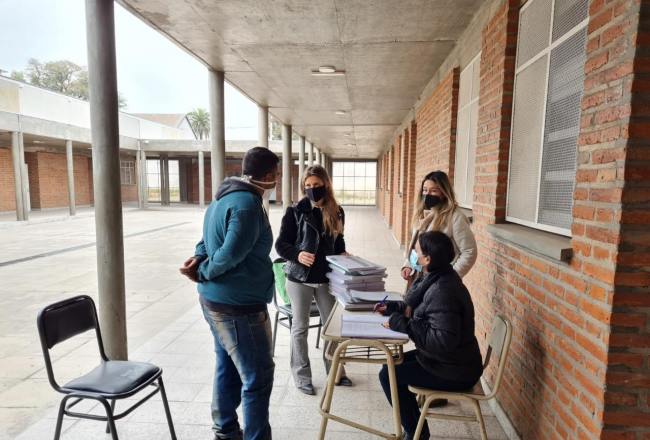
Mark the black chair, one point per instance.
(287, 319)
(108, 382)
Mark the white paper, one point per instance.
(368, 327)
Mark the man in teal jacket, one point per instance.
(234, 273)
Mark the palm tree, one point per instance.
(200, 121)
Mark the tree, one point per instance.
(200, 121)
(61, 76)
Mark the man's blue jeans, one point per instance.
(243, 373)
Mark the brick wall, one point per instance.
(436, 133)
(31, 159)
(579, 365)
(397, 198)
(82, 169)
(411, 186)
(7, 186)
(612, 204)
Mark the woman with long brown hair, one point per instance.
(311, 230)
(436, 210)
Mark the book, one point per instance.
(374, 296)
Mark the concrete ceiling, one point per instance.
(389, 50)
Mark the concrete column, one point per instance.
(17, 160)
(301, 160)
(263, 126)
(24, 177)
(286, 166)
(70, 163)
(138, 168)
(316, 156)
(217, 129)
(164, 179)
(102, 78)
(201, 180)
(322, 159)
(144, 181)
(310, 155)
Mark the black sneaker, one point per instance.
(307, 389)
(344, 382)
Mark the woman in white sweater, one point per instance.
(437, 210)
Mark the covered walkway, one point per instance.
(165, 327)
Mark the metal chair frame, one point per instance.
(499, 345)
(107, 400)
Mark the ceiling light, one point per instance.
(350, 145)
(340, 112)
(347, 135)
(327, 71)
(38, 142)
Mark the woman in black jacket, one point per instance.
(438, 315)
(310, 231)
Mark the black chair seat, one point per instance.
(286, 309)
(114, 377)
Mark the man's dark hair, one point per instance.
(258, 162)
(437, 246)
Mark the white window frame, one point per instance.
(468, 107)
(546, 51)
(127, 165)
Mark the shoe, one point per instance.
(307, 389)
(423, 436)
(235, 436)
(437, 403)
(344, 382)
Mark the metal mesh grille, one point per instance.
(534, 29)
(462, 141)
(567, 15)
(526, 136)
(566, 80)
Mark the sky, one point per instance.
(154, 75)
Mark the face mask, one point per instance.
(266, 185)
(316, 194)
(413, 260)
(430, 201)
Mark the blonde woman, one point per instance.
(310, 231)
(437, 210)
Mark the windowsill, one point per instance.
(550, 245)
(468, 213)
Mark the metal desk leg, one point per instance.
(326, 403)
(394, 398)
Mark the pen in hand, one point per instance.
(380, 307)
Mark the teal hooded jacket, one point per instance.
(235, 266)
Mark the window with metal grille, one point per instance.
(549, 83)
(466, 131)
(127, 172)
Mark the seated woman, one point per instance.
(438, 315)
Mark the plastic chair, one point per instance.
(285, 309)
(106, 383)
(499, 345)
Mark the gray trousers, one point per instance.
(301, 298)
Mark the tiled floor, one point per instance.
(166, 328)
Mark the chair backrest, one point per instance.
(61, 321)
(499, 346)
(280, 283)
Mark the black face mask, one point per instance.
(316, 194)
(430, 201)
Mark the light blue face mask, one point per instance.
(413, 259)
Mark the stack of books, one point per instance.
(357, 283)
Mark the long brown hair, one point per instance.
(331, 209)
(444, 211)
